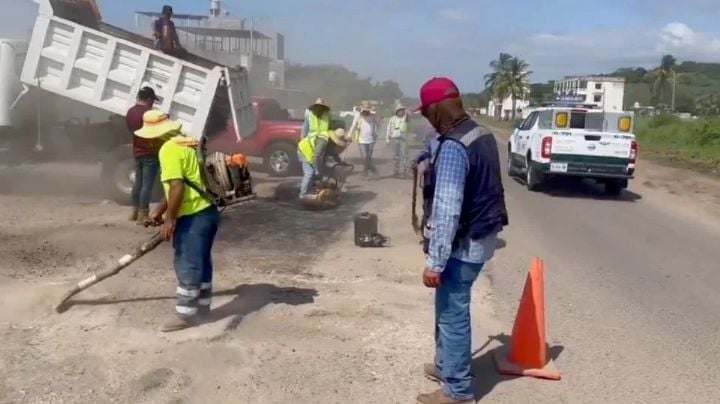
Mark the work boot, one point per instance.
(431, 372)
(439, 397)
(177, 323)
(134, 215)
(143, 215)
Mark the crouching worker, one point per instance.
(188, 218)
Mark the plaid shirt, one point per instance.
(451, 170)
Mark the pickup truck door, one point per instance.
(524, 133)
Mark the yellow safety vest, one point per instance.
(319, 129)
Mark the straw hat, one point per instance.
(399, 107)
(320, 102)
(157, 124)
(365, 106)
(339, 137)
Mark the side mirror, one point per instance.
(517, 124)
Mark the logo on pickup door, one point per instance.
(592, 147)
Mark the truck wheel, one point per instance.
(533, 177)
(281, 160)
(118, 174)
(615, 187)
(512, 171)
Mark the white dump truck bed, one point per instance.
(103, 66)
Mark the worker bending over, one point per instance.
(188, 218)
(311, 149)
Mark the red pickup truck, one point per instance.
(275, 139)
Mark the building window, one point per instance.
(598, 86)
(583, 84)
(598, 97)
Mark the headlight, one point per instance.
(561, 119)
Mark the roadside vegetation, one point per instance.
(691, 143)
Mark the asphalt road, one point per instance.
(632, 301)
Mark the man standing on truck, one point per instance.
(145, 152)
(166, 37)
(311, 149)
(468, 212)
(190, 219)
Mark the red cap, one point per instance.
(436, 90)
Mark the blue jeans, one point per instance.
(193, 240)
(308, 180)
(366, 151)
(146, 172)
(452, 327)
(400, 154)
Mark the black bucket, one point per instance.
(366, 225)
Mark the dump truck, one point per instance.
(73, 57)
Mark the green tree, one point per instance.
(493, 79)
(663, 78)
(510, 77)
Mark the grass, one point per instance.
(693, 144)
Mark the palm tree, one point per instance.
(663, 76)
(493, 79)
(515, 81)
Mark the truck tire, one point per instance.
(118, 174)
(512, 170)
(533, 177)
(281, 160)
(615, 187)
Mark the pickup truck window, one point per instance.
(577, 120)
(270, 110)
(529, 122)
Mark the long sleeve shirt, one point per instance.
(367, 127)
(429, 150)
(451, 171)
(306, 125)
(397, 128)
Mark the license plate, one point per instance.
(558, 167)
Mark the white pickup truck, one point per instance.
(574, 141)
(76, 57)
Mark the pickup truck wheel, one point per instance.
(118, 174)
(533, 178)
(281, 160)
(512, 170)
(615, 187)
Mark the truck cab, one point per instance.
(274, 140)
(576, 141)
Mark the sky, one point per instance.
(410, 41)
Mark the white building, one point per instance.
(607, 93)
(504, 110)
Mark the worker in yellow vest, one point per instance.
(311, 148)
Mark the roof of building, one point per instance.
(195, 17)
(224, 32)
(595, 78)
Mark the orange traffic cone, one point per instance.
(528, 350)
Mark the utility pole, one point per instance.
(252, 45)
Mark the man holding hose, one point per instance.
(187, 218)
